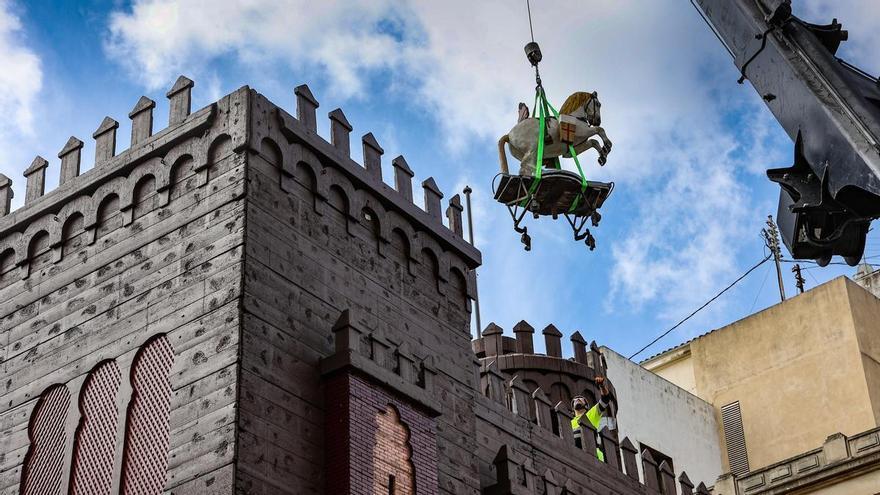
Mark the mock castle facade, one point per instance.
(233, 305)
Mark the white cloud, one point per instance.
(665, 82)
(20, 83)
(21, 77)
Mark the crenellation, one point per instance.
(667, 478)
(403, 176)
(543, 409)
(524, 337)
(432, 199)
(293, 139)
(306, 107)
(519, 398)
(579, 345)
(685, 484)
(105, 141)
(6, 195)
(552, 341)
(372, 156)
(629, 454)
(36, 179)
(141, 120)
(611, 448)
(453, 215)
(649, 470)
(179, 100)
(340, 130)
(70, 157)
(563, 421)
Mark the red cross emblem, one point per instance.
(566, 132)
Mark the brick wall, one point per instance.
(372, 434)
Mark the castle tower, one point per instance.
(233, 305)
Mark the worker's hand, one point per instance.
(599, 380)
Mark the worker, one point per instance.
(595, 415)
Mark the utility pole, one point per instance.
(771, 237)
(798, 278)
(467, 195)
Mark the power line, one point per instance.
(686, 318)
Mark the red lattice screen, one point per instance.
(146, 437)
(96, 436)
(44, 468)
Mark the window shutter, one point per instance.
(737, 456)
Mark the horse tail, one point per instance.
(502, 156)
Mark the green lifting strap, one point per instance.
(539, 158)
(541, 97)
(584, 183)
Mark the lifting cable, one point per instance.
(686, 318)
(543, 107)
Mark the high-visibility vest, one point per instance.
(594, 415)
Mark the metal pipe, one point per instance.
(467, 196)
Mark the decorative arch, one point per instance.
(7, 261)
(393, 469)
(99, 198)
(430, 266)
(145, 456)
(71, 233)
(271, 152)
(182, 168)
(143, 196)
(560, 392)
(95, 440)
(108, 215)
(44, 463)
(459, 293)
(219, 148)
(154, 168)
(38, 250)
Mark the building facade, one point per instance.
(233, 305)
(656, 414)
(784, 380)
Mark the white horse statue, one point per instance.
(579, 113)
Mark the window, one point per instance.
(734, 435)
(93, 428)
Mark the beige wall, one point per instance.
(678, 368)
(866, 315)
(862, 484)
(796, 369)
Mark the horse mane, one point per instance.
(575, 101)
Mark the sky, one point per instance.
(439, 83)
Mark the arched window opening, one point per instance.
(145, 456)
(44, 462)
(109, 217)
(392, 463)
(95, 441)
(144, 196)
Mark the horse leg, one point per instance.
(601, 133)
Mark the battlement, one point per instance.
(550, 460)
(240, 123)
(494, 343)
(560, 377)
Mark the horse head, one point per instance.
(584, 106)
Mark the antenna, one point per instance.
(467, 196)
